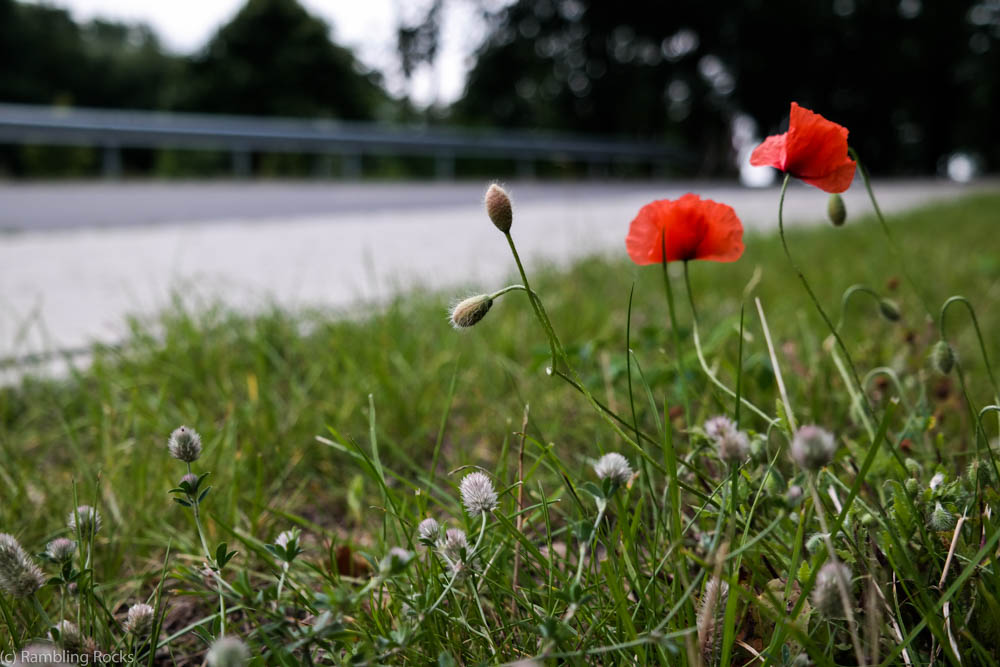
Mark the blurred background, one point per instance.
(330, 152)
(916, 81)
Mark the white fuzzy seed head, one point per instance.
(733, 447)
(826, 591)
(61, 549)
(478, 494)
(228, 651)
(20, 577)
(40, 653)
(70, 637)
(813, 447)
(937, 480)
(468, 312)
(139, 621)
(184, 444)
(84, 521)
(428, 531)
(718, 427)
(287, 536)
(452, 544)
(615, 467)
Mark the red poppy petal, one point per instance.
(816, 146)
(838, 180)
(644, 240)
(771, 153)
(723, 241)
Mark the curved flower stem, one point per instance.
(554, 345)
(845, 595)
(893, 246)
(704, 364)
(848, 293)
(979, 335)
(809, 291)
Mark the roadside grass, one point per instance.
(391, 389)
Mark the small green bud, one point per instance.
(867, 519)
(913, 467)
(889, 309)
(941, 519)
(942, 357)
(468, 312)
(815, 543)
(912, 486)
(498, 208)
(835, 210)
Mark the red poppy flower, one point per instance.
(686, 228)
(813, 150)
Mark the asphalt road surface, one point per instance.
(76, 258)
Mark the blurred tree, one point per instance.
(913, 79)
(274, 58)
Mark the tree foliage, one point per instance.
(914, 80)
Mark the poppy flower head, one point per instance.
(813, 150)
(684, 229)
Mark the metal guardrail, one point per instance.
(114, 130)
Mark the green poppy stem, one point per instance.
(812, 295)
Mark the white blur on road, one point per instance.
(76, 258)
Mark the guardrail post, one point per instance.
(350, 166)
(111, 162)
(241, 163)
(526, 168)
(444, 166)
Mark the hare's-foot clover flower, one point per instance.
(826, 591)
(85, 521)
(813, 447)
(478, 494)
(453, 544)
(60, 550)
(428, 531)
(20, 577)
(717, 427)
(615, 467)
(227, 651)
(184, 444)
(139, 621)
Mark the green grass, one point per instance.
(261, 388)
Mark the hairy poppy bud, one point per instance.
(498, 208)
(826, 592)
(813, 447)
(835, 210)
(468, 312)
(889, 309)
(942, 357)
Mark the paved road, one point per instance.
(78, 257)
